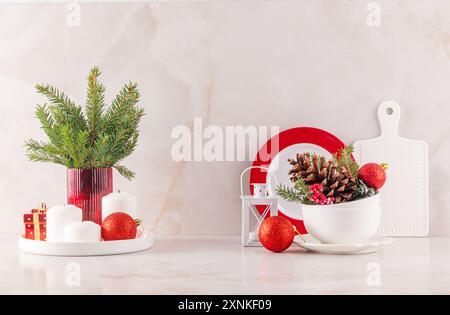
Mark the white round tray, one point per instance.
(143, 242)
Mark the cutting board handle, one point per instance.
(389, 117)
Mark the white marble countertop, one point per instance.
(219, 265)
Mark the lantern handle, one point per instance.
(254, 167)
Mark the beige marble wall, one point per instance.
(285, 63)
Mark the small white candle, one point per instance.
(78, 232)
(119, 202)
(58, 217)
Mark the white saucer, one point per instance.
(368, 247)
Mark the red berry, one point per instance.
(276, 234)
(118, 226)
(373, 175)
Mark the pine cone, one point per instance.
(307, 167)
(313, 169)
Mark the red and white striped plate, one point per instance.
(274, 155)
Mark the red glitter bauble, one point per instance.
(373, 175)
(118, 226)
(276, 234)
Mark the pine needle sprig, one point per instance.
(289, 193)
(299, 193)
(125, 172)
(98, 137)
(363, 191)
(100, 154)
(123, 105)
(39, 151)
(95, 104)
(344, 159)
(64, 110)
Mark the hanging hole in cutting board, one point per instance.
(389, 117)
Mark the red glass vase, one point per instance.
(86, 188)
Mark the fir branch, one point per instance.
(299, 193)
(301, 186)
(47, 122)
(70, 146)
(83, 148)
(95, 104)
(289, 193)
(100, 138)
(125, 172)
(100, 156)
(344, 159)
(363, 191)
(63, 109)
(122, 105)
(39, 151)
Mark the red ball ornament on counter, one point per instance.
(373, 175)
(119, 226)
(276, 234)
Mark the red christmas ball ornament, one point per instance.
(119, 226)
(373, 175)
(276, 234)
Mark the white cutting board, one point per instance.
(404, 198)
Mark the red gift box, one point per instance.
(36, 224)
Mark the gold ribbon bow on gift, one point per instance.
(42, 209)
(37, 226)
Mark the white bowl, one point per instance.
(346, 223)
(371, 202)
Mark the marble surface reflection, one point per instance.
(219, 265)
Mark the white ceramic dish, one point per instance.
(368, 247)
(143, 242)
(346, 223)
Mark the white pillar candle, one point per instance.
(78, 232)
(58, 217)
(119, 202)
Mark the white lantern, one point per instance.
(260, 197)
